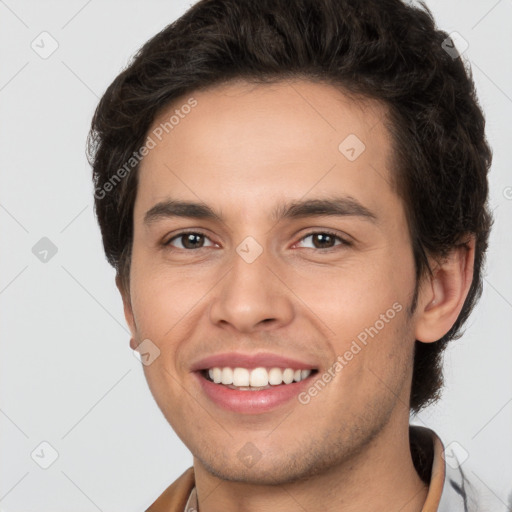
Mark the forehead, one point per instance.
(245, 145)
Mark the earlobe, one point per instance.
(128, 312)
(443, 294)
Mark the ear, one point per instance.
(442, 295)
(128, 312)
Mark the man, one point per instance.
(294, 196)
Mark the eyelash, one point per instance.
(311, 233)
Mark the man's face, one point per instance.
(254, 283)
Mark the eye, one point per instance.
(188, 240)
(193, 240)
(325, 240)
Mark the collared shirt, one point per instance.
(449, 489)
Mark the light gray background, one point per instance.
(67, 374)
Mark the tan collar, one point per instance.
(437, 478)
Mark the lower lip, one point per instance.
(251, 402)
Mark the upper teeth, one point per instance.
(257, 377)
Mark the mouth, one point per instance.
(255, 379)
(251, 389)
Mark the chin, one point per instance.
(273, 471)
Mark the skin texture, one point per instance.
(243, 150)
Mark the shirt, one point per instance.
(450, 489)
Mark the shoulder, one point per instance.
(454, 485)
(175, 497)
(463, 488)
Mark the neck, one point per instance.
(382, 477)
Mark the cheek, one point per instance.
(161, 296)
(352, 296)
(168, 305)
(362, 309)
(164, 312)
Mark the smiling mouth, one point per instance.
(255, 379)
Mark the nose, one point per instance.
(251, 297)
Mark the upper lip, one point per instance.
(261, 359)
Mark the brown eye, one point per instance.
(324, 240)
(188, 240)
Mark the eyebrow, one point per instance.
(337, 207)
